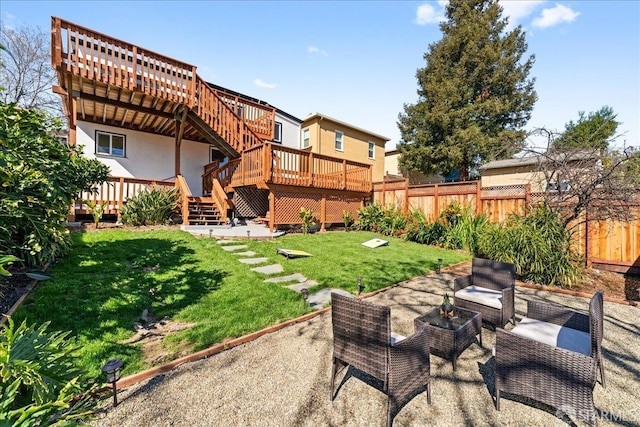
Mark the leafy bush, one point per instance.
(455, 228)
(40, 178)
(537, 244)
(389, 221)
(153, 207)
(39, 377)
(306, 215)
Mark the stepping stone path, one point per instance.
(316, 300)
(232, 248)
(253, 260)
(269, 269)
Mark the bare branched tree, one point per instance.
(587, 184)
(26, 75)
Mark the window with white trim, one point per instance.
(110, 144)
(372, 150)
(339, 141)
(305, 138)
(277, 132)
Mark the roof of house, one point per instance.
(256, 100)
(534, 160)
(325, 117)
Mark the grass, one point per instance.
(101, 288)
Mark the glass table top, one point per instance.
(460, 317)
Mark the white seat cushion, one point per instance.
(555, 335)
(396, 338)
(480, 295)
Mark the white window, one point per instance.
(339, 144)
(305, 138)
(372, 150)
(111, 144)
(277, 132)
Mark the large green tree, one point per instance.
(474, 93)
(590, 131)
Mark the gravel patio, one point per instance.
(282, 379)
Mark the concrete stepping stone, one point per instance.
(298, 287)
(269, 269)
(318, 300)
(290, 278)
(245, 253)
(226, 242)
(253, 260)
(234, 248)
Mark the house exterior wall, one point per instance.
(514, 175)
(147, 156)
(392, 167)
(290, 131)
(355, 143)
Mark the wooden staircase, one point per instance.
(204, 211)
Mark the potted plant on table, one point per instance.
(446, 309)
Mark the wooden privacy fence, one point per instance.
(608, 245)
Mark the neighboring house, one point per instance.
(325, 135)
(394, 170)
(530, 170)
(152, 118)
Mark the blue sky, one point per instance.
(356, 61)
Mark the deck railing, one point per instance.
(97, 57)
(116, 191)
(275, 164)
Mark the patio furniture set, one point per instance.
(552, 355)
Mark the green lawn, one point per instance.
(101, 288)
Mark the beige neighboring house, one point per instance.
(393, 170)
(322, 134)
(527, 170)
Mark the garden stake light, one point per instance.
(360, 285)
(210, 233)
(248, 234)
(305, 296)
(112, 369)
(439, 269)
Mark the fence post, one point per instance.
(436, 202)
(478, 197)
(384, 189)
(527, 195)
(406, 195)
(323, 213)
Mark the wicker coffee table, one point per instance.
(451, 336)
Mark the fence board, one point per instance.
(605, 242)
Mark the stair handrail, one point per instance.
(222, 119)
(220, 199)
(185, 193)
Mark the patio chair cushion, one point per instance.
(554, 335)
(480, 295)
(396, 338)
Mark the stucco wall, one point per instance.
(147, 156)
(392, 166)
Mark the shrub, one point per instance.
(153, 207)
(306, 215)
(537, 244)
(369, 217)
(39, 378)
(40, 177)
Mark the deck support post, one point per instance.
(181, 121)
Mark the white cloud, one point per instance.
(555, 16)
(261, 83)
(427, 14)
(518, 10)
(313, 50)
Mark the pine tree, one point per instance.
(592, 131)
(474, 94)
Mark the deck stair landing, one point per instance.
(204, 211)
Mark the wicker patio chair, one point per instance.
(489, 290)
(362, 339)
(553, 356)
